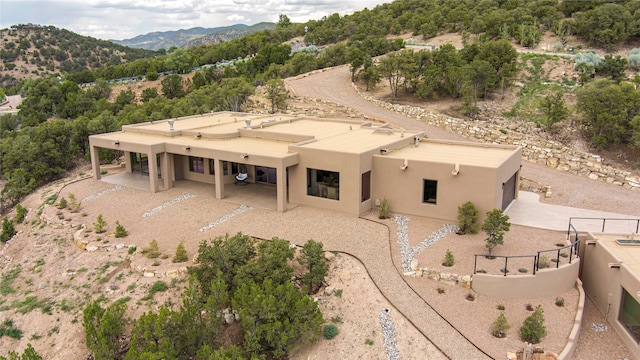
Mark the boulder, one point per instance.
(414, 264)
(329, 256)
(329, 290)
(91, 248)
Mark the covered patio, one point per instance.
(256, 195)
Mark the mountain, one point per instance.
(31, 51)
(229, 34)
(191, 37)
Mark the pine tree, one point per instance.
(312, 258)
(533, 329)
(181, 254)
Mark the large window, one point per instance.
(323, 183)
(430, 191)
(139, 163)
(366, 186)
(266, 175)
(196, 164)
(630, 315)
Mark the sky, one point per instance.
(125, 19)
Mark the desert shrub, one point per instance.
(7, 329)
(330, 331)
(529, 307)
(62, 203)
(522, 270)
(74, 204)
(153, 251)
(336, 319)
(559, 301)
(543, 262)
(468, 218)
(8, 230)
(470, 296)
(120, 230)
(440, 290)
(181, 254)
(533, 329)
(100, 225)
(500, 326)
(21, 213)
(589, 58)
(557, 46)
(634, 59)
(132, 250)
(448, 259)
(383, 211)
(368, 342)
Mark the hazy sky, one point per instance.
(124, 19)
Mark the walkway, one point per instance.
(527, 210)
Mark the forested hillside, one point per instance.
(33, 51)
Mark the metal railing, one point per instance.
(633, 225)
(573, 254)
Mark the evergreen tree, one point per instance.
(495, 225)
(312, 258)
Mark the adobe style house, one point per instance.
(347, 166)
(611, 277)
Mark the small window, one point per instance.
(225, 169)
(366, 186)
(196, 164)
(430, 191)
(212, 168)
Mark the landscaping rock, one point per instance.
(329, 256)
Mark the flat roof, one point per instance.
(223, 131)
(357, 140)
(455, 152)
(629, 255)
(249, 145)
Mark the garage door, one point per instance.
(509, 191)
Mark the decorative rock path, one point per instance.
(226, 217)
(406, 251)
(96, 195)
(390, 335)
(168, 203)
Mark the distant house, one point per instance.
(342, 165)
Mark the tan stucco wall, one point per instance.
(404, 188)
(604, 286)
(546, 282)
(350, 180)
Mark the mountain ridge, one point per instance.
(190, 37)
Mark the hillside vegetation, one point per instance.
(33, 51)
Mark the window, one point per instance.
(234, 168)
(225, 170)
(430, 191)
(196, 164)
(366, 186)
(323, 183)
(212, 168)
(139, 163)
(266, 175)
(630, 315)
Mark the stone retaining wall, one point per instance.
(525, 134)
